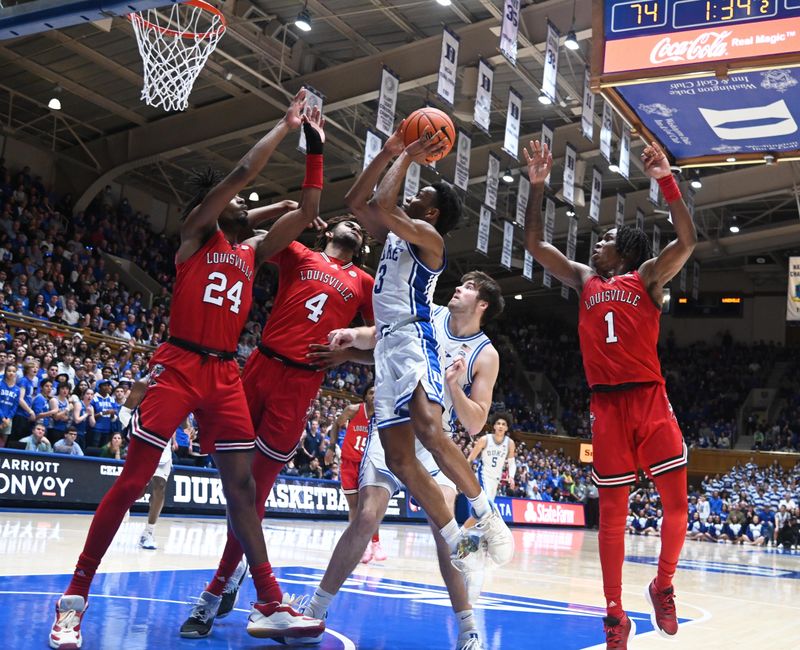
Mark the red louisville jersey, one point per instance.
(213, 293)
(618, 327)
(355, 438)
(316, 294)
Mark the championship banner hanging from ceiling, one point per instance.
(463, 153)
(387, 101)
(484, 227)
(412, 180)
(372, 147)
(509, 30)
(492, 181)
(793, 297)
(508, 244)
(448, 66)
(313, 100)
(587, 111)
(523, 193)
(570, 159)
(696, 280)
(593, 238)
(654, 194)
(619, 215)
(527, 266)
(640, 218)
(597, 195)
(483, 96)
(550, 75)
(513, 119)
(547, 138)
(625, 151)
(606, 131)
(656, 239)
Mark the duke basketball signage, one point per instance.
(745, 113)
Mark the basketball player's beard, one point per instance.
(347, 240)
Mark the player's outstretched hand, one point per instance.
(294, 113)
(455, 370)
(316, 121)
(539, 160)
(429, 145)
(342, 338)
(655, 161)
(318, 224)
(395, 145)
(326, 356)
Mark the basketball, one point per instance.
(435, 121)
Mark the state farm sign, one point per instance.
(548, 513)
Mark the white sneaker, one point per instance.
(474, 575)
(378, 554)
(497, 537)
(282, 621)
(66, 631)
(469, 554)
(147, 541)
(307, 610)
(470, 641)
(201, 619)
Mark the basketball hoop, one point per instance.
(175, 48)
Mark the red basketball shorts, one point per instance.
(634, 429)
(183, 382)
(349, 475)
(279, 398)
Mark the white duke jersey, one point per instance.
(451, 347)
(404, 286)
(493, 457)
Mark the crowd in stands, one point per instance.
(747, 506)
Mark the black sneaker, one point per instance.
(230, 595)
(201, 620)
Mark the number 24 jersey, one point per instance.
(316, 294)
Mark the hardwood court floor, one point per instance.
(548, 597)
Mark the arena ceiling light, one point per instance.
(55, 103)
(734, 227)
(570, 213)
(508, 177)
(253, 196)
(444, 3)
(571, 42)
(517, 296)
(303, 20)
(613, 167)
(696, 182)
(544, 99)
(731, 159)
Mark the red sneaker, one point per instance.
(664, 618)
(617, 632)
(282, 620)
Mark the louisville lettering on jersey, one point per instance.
(612, 295)
(315, 275)
(215, 257)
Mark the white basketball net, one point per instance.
(174, 49)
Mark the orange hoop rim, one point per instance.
(200, 4)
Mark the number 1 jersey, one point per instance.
(316, 294)
(618, 325)
(213, 293)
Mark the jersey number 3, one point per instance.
(218, 283)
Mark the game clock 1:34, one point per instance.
(701, 13)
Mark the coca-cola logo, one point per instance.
(709, 45)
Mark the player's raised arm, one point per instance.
(660, 270)
(202, 220)
(357, 198)
(415, 231)
(511, 458)
(540, 162)
(477, 448)
(473, 409)
(289, 226)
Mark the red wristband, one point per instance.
(313, 171)
(669, 188)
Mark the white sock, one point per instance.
(480, 505)
(451, 533)
(148, 528)
(466, 622)
(124, 416)
(319, 604)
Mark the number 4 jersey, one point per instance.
(618, 328)
(213, 293)
(316, 294)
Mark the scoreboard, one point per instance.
(647, 35)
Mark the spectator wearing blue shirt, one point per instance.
(105, 412)
(83, 415)
(41, 404)
(9, 402)
(62, 411)
(25, 415)
(68, 444)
